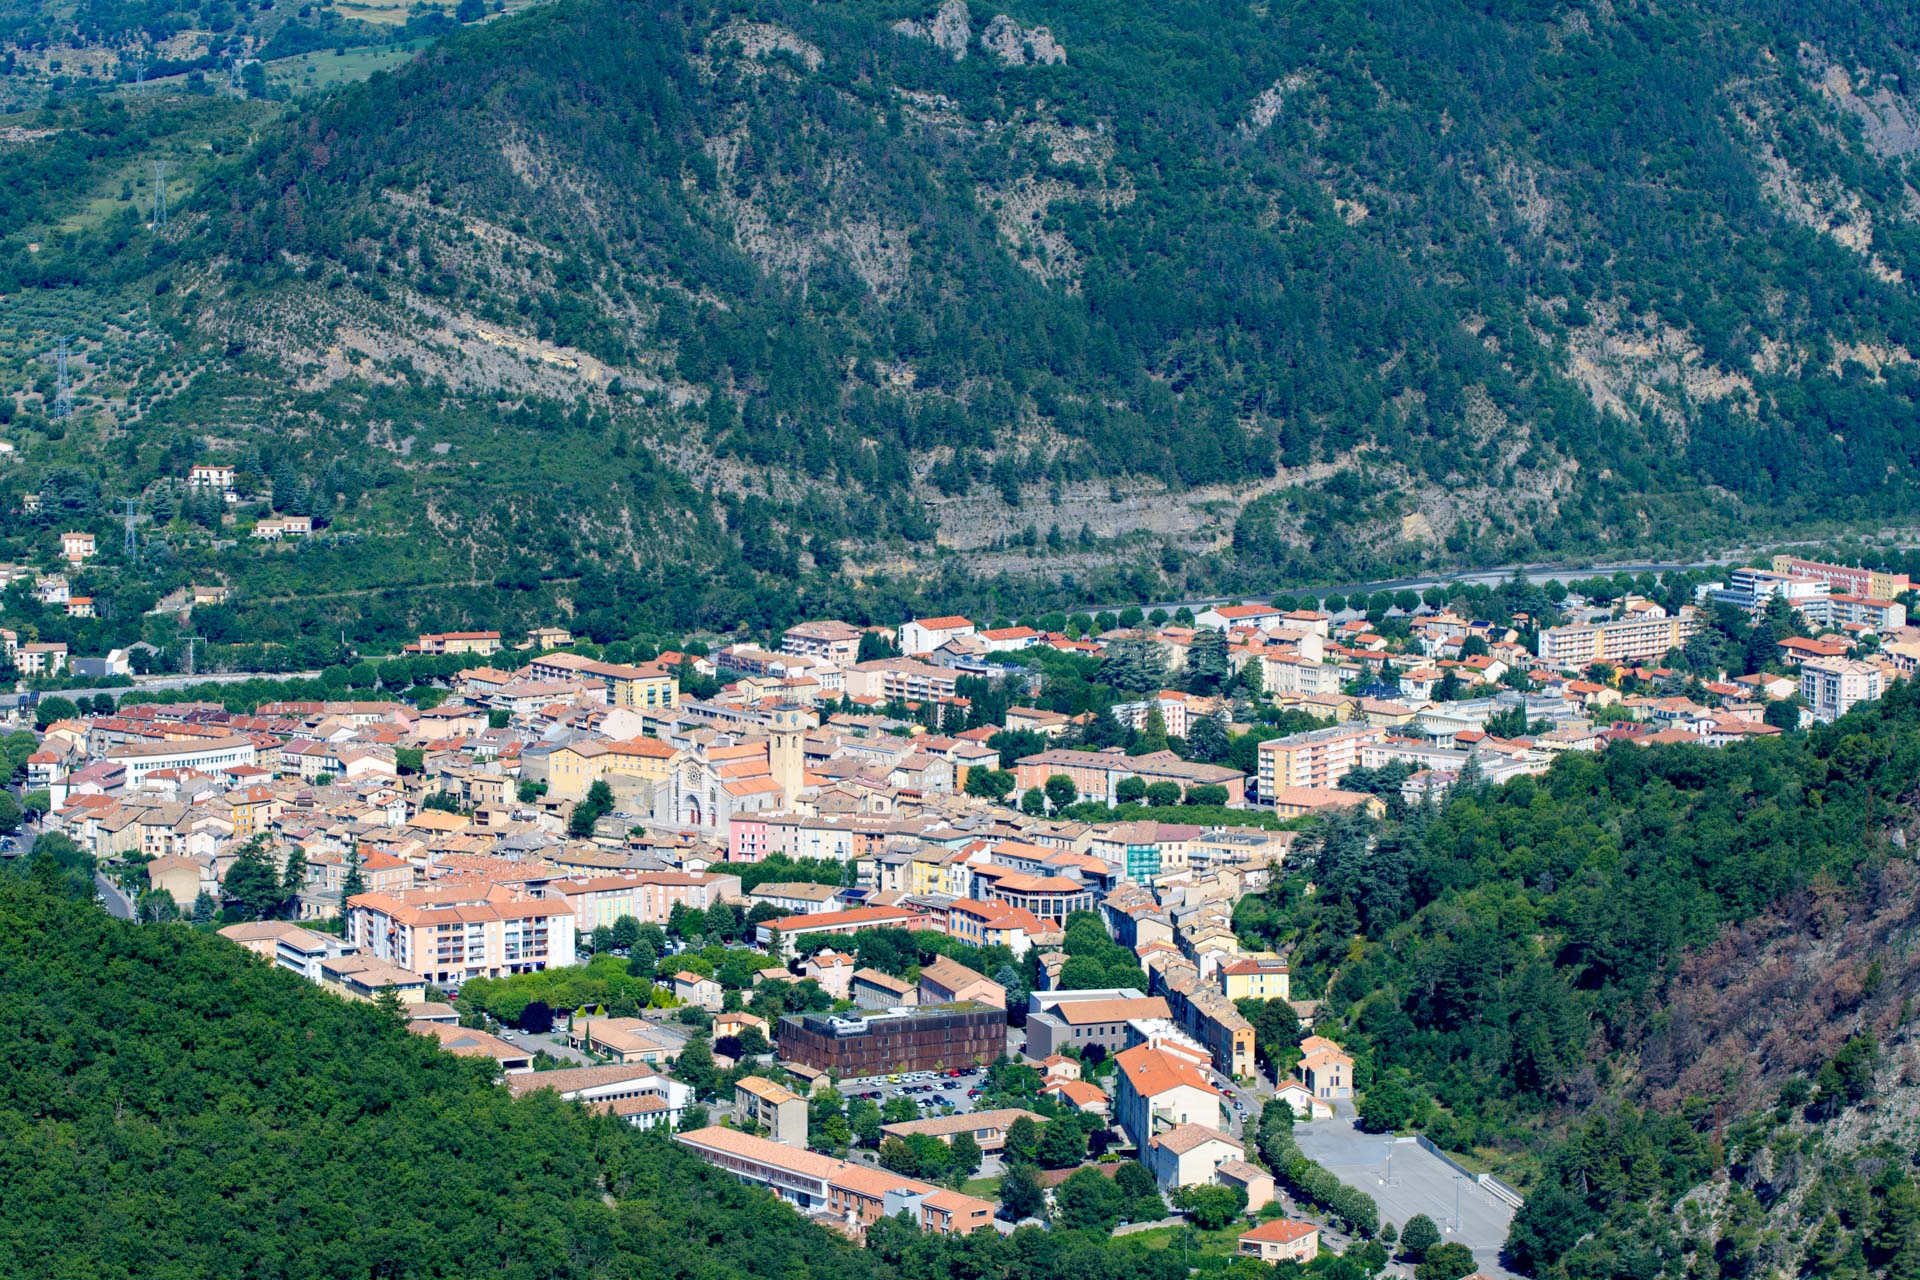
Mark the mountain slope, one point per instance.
(1224, 294)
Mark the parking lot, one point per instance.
(929, 1090)
(1412, 1180)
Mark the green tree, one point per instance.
(1163, 795)
(1022, 1196)
(252, 889)
(1088, 1201)
(1023, 1141)
(1061, 792)
(1418, 1235)
(1210, 1207)
(965, 1155)
(990, 784)
(53, 708)
(695, 1066)
(1129, 790)
(1447, 1261)
(205, 909)
(1033, 803)
(1063, 1144)
(353, 884)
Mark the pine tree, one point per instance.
(354, 884)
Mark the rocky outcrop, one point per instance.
(1015, 46)
(949, 28)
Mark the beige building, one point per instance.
(989, 1128)
(1281, 1240)
(947, 981)
(573, 769)
(625, 1040)
(449, 933)
(760, 1103)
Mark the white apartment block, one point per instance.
(1833, 686)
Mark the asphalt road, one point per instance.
(1466, 577)
(116, 902)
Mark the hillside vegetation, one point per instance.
(1667, 990)
(1162, 297)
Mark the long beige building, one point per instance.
(1625, 640)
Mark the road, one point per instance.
(148, 684)
(117, 904)
(1466, 577)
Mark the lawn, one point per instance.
(985, 1188)
(1222, 1243)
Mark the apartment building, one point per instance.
(831, 639)
(1256, 978)
(759, 1103)
(450, 933)
(1644, 638)
(1316, 758)
(206, 755)
(1162, 1089)
(1876, 584)
(924, 635)
(855, 1195)
(1832, 687)
(648, 896)
(901, 680)
(1865, 611)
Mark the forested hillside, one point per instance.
(1667, 990)
(173, 1108)
(1162, 296)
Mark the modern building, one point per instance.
(204, 755)
(1832, 687)
(1865, 611)
(916, 1039)
(853, 1195)
(1060, 1020)
(1876, 584)
(759, 1103)
(288, 945)
(450, 933)
(637, 1093)
(1642, 638)
(1316, 758)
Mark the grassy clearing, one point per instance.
(1220, 1244)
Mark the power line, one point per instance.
(159, 194)
(63, 385)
